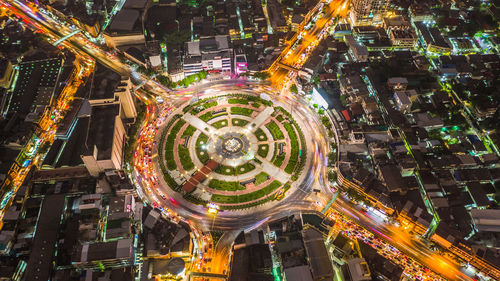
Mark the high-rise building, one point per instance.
(366, 12)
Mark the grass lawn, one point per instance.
(220, 124)
(203, 158)
(261, 136)
(263, 150)
(189, 131)
(245, 206)
(260, 178)
(279, 160)
(209, 115)
(239, 122)
(233, 171)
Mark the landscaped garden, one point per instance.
(277, 142)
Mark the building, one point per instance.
(397, 83)
(108, 87)
(7, 73)
(276, 17)
(104, 147)
(404, 38)
(252, 258)
(431, 39)
(486, 220)
(211, 54)
(37, 83)
(240, 62)
(420, 12)
(40, 262)
(358, 270)
(104, 254)
(367, 12)
(403, 102)
(125, 28)
(359, 51)
(321, 98)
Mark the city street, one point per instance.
(420, 256)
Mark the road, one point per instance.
(306, 40)
(161, 195)
(78, 43)
(81, 46)
(399, 240)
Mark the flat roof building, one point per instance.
(486, 220)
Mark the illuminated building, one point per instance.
(105, 145)
(240, 63)
(209, 54)
(36, 84)
(320, 98)
(366, 12)
(401, 32)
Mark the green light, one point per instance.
(277, 273)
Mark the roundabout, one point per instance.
(230, 157)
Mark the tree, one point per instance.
(294, 89)
(177, 37)
(202, 74)
(165, 81)
(262, 75)
(145, 70)
(332, 159)
(332, 176)
(343, 100)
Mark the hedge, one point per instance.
(185, 158)
(225, 185)
(237, 101)
(169, 145)
(218, 198)
(275, 130)
(242, 111)
(294, 148)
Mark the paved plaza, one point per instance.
(255, 146)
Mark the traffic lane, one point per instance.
(411, 246)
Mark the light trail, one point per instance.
(281, 79)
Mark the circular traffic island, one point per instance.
(230, 151)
